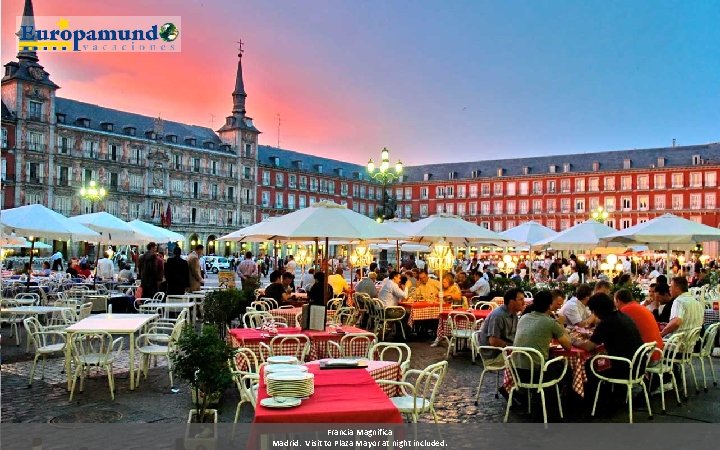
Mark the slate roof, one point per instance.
(309, 162)
(74, 109)
(580, 162)
(6, 114)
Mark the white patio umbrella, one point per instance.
(38, 220)
(24, 243)
(583, 236)
(454, 230)
(9, 240)
(323, 220)
(667, 232)
(529, 233)
(155, 233)
(113, 230)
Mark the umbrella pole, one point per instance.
(397, 255)
(325, 269)
(315, 262)
(32, 252)
(97, 257)
(667, 263)
(442, 300)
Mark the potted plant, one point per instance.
(201, 360)
(222, 306)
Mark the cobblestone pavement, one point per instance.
(48, 400)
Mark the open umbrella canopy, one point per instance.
(666, 231)
(247, 234)
(583, 236)
(453, 230)
(529, 233)
(155, 233)
(38, 220)
(406, 247)
(27, 244)
(113, 230)
(320, 221)
(9, 240)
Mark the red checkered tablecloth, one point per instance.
(444, 326)
(576, 365)
(251, 338)
(417, 311)
(379, 370)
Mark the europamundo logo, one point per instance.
(99, 34)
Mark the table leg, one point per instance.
(132, 361)
(68, 354)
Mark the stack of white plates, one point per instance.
(290, 384)
(284, 368)
(282, 360)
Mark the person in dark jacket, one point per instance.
(150, 276)
(316, 291)
(177, 273)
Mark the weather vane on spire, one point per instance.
(240, 46)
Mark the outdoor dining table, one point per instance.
(177, 306)
(341, 396)
(128, 324)
(289, 314)
(420, 310)
(251, 338)
(24, 311)
(444, 326)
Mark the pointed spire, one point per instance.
(239, 94)
(28, 21)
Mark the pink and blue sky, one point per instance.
(433, 81)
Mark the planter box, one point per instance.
(201, 435)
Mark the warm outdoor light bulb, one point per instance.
(102, 192)
(83, 191)
(507, 258)
(398, 167)
(371, 166)
(612, 259)
(384, 166)
(385, 154)
(619, 267)
(92, 183)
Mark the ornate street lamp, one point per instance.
(361, 256)
(441, 259)
(599, 214)
(385, 175)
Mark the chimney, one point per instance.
(673, 142)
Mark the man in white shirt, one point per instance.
(307, 280)
(575, 310)
(687, 311)
(390, 293)
(57, 260)
(481, 287)
(420, 263)
(105, 269)
(291, 265)
(574, 277)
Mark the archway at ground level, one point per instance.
(194, 240)
(210, 249)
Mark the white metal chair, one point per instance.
(297, 345)
(159, 296)
(384, 351)
(335, 304)
(85, 311)
(484, 305)
(345, 317)
(538, 367)
(382, 319)
(665, 365)
(151, 345)
(685, 355)
(94, 350)
(43, 347)
(419, 397)
(273, 304)
(462, 326)
(361, 300)
(261, 305)
(636, 375)
(27, 299)
(496, 365)
(352, 345)
(255, 319)
(706, 347)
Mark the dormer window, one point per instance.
(210, 145)
(319, 168)
(130, 131)
(452, 175)
(150, 134)
(500, 171)
(191, 141)
(339, 171)
(526, 170)
(106, 126)
(696, 160)
(171, 138)
(356, 175)
(297, 164)
(60, 117)
(83, 122)
(427, 176)
(552, 168)
(596, 166)
(661, 161)
(275, 161)
(567, 167)
(225, 147)
(475, 174)
(627, 163)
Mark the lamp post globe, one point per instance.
(385, 176)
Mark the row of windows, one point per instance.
(288, 201)
(321, 185)
(564, 224)
(593, 184)
(707, 200)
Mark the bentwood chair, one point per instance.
(352, 345)
(419, 397)
(665, 365)
(706, 346)
(44, 346)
